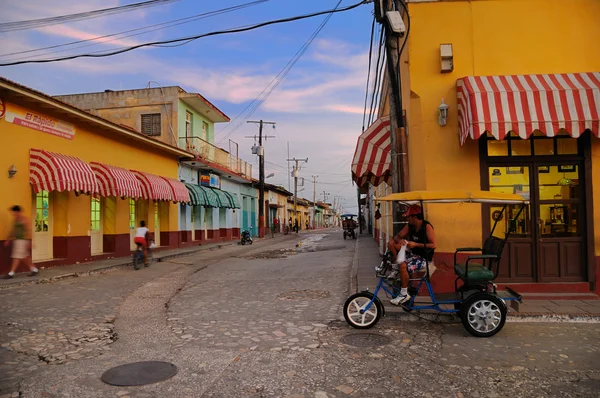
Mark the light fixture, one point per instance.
(270, 175)
(443, 113)
(446, 58)
(564, 181)
(12, 170)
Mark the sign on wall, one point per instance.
(205, 180)
(215, 181)
(39, 122)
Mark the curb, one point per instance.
(100, 270)
(354, 269)
(512, 317)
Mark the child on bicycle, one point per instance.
(142, 238)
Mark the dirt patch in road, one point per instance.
(271, 254)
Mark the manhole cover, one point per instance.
(139, 373)
(366, 340)
(298, 294)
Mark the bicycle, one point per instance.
(138, 256)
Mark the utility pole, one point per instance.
(397, 128)
(261, 175)
(315, 201)
(295, 175)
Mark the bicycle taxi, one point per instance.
(475, 299)
(349, 225)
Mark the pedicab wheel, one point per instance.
(483, 314)
(136, 262)
(354, 311)
(344, 236)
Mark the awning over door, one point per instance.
(371, 162)
(525, 103)
(49, 171)
(115, 181)
(153, 186)
(197, 195)
(223, 199)
(233, 200)
(178, 189)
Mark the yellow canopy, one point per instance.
(416, 197)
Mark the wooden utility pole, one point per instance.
(398, 148)
(295, 175)
(315, 201)
(261, 177)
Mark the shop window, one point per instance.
(42, 211)
(497, 148)
(543, 146)
(520, 147)
(566, 146)
(131, 214)
(95, 216)
(504, 218)
(559, 220)
(558, 182)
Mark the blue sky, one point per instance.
(317, 108)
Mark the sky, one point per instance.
(318, 108)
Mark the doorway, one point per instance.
(157, 223)
(96, 227)
(132, 223)
(550, 242)
(42, 226)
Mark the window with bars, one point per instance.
(151, 124)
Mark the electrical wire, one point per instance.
(142, 30)
(368, 73)
(37, 23)
(258, 101)
(189, 38)
(378, 76)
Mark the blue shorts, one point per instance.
(414, 262)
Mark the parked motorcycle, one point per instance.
(246, 238)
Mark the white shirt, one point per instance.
(141, 232)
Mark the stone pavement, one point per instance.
(77, 270)
(556, 306)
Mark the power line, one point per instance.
(378, 74)
(368, 73)
(258, 101)
(141, 30)
(189, 38)
(37, 23)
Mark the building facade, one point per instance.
(214, 177)
(523, 106)
(85, 182)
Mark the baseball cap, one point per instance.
(413, 210)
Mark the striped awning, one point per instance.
(526, 103)
(233, 200)
(49, 171)
(115, 181)
(153, 186)
(223, 199)
(197, 195)
(371, 161)
(180, 192)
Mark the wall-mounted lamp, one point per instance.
(446, 58)
(12, 170)
(443, 111)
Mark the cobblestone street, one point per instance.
(266, 321)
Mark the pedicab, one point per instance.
(481, 307)
(349, 225)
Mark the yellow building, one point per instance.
(521, 84)
(85, 182)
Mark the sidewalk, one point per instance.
(535, 305)
(72, 271)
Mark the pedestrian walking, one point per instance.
(20, 240)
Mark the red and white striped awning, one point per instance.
(371, 162)
(49, 171)
(115, 181)
(179, 190)
(153, 186)
(525, 103)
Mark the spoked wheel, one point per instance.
(137, 260)
(344, 236)
(483, 315)
(355, 313)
